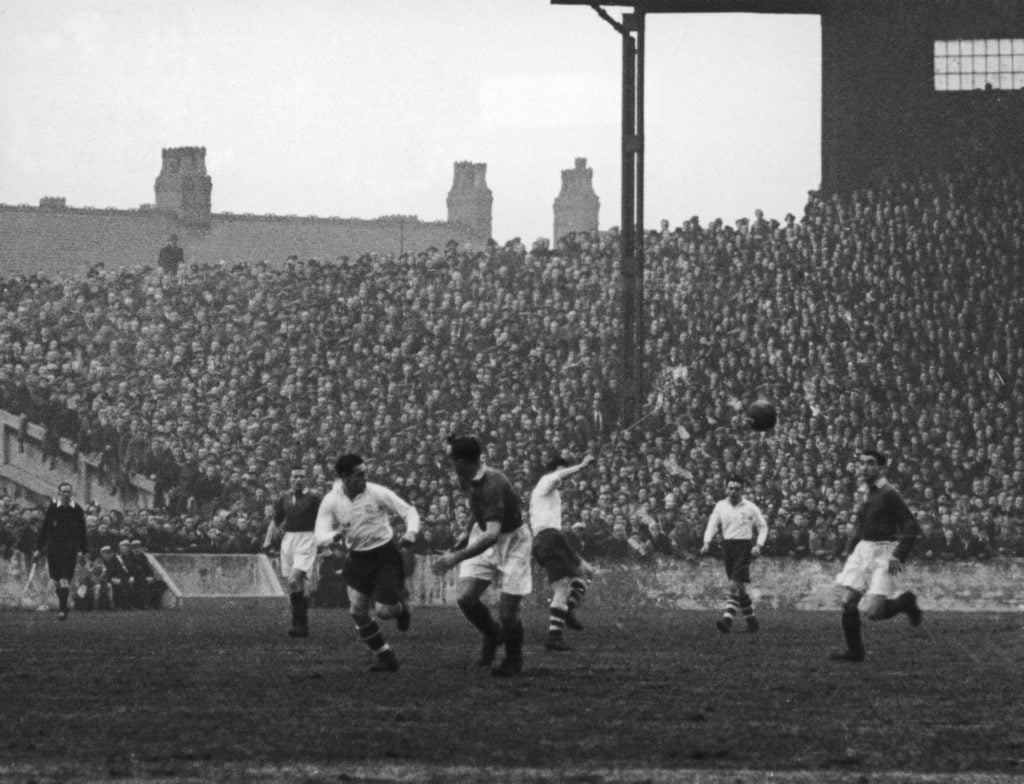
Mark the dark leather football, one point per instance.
(761, 415)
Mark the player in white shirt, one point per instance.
(359, 514)
(740, 521)
(565, 569)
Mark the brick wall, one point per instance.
(68, 242)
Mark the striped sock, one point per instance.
(577, 588)
(371, 635)
(556, 619)
(731, 606)
(746, 605)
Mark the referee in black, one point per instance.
(62, 537)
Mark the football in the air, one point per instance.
(761, 415)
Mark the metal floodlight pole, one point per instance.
(631, 386)
(632, 263)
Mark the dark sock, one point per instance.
(851, 631)
(298, 600)
(480, 616)
(62, 599)
(513, 633)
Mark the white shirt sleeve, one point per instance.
(761, 526)
(713, 523)
(402, 509)
(325, 528)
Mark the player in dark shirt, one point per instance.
(884, 536)
(496, 544)
(63, 537)
(295, 520)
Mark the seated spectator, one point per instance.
(149, 588)
(117, 578)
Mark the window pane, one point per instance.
(1005, 81)
(1005, 45)
(1005, 63)
(967, 47)
(940, 82)
(1018, 45)
(981, 81)
(1018, 81)
(992, 46)
(978, 64)
(940, 48)
(954, 82)
(954, 65)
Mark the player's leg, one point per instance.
(62, 569)
(299, 602)
(389, 587)
(513, 553)
(732, 600)
(512, 633)
(577, 590)
(360, 606)
(558, 615)
(298, 556)
(850, 624)
(556, 558)
(740, 581)
(477, 613)
(878, 605)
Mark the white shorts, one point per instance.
(867, 569)
(508, 560)
(298, 552)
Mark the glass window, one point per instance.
(981, 64)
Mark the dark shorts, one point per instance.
(552, 551)
(62, 565)
(736, 553)
(378, 573)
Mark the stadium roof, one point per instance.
(709, 6)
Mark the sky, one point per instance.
(360, 108)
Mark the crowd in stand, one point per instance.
(889, 317)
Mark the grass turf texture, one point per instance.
(182, 694)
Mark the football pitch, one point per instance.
(221, 693)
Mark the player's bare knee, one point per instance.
(388, 611)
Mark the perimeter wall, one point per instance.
(783, 584)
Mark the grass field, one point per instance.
(221, 693)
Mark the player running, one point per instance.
(739, 520)
(566, 571)
(359, 513)
(295, 515)
(884, 536)
(498, 546)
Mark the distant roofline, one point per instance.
(152, 212)
(710, 6)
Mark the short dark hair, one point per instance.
(555, 463)
(735, 478)
(347, 463)
(464, 448)
(879, 457)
